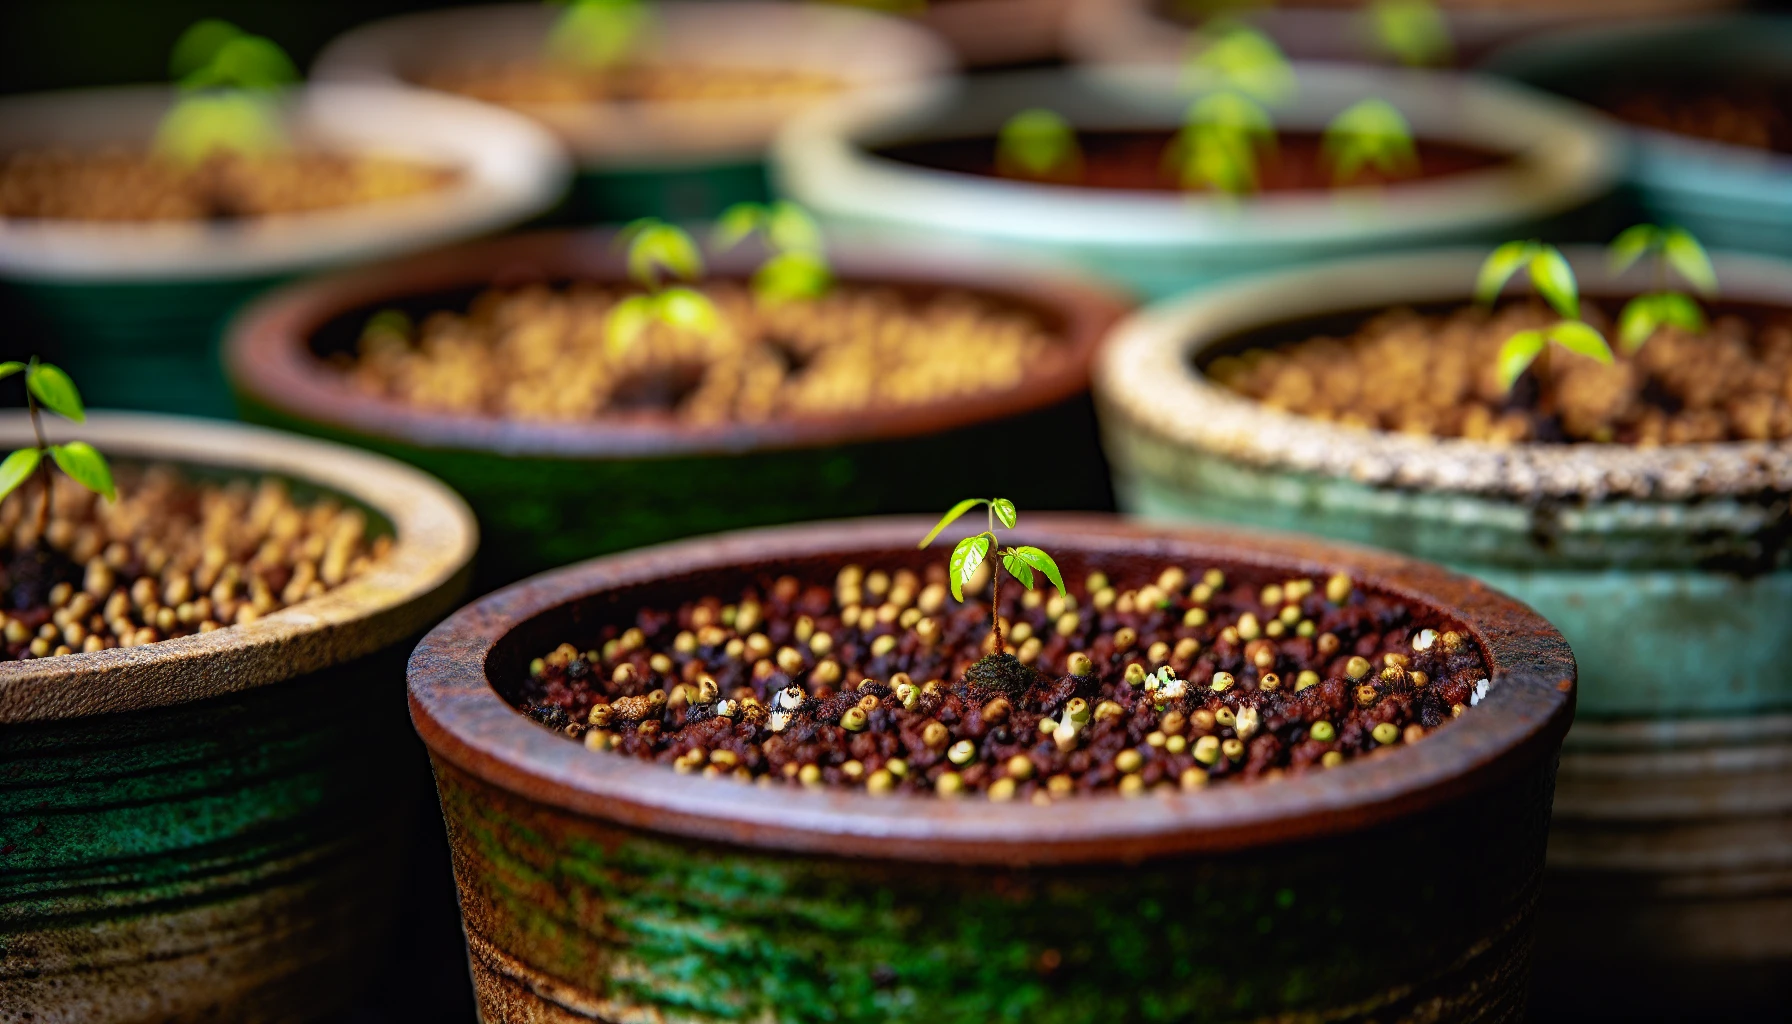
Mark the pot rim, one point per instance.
(417, 582)
(1560, 158)
(466, 723)
(266, 360)
(1143, 384)
(509, 168)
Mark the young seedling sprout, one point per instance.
(1038, 144)
(1677, 250)
(47, 387)
(1240, 70)
(591, 35)
(1554, 280)
(1004, 672)
(656, 250)
(230, 82)
(798, 267)
(1225, 54)
(1412, 32)
(1369, 133)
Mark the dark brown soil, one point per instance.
(1742, 114)
(882, 681)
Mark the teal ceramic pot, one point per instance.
(213, 827)
(598, 887)
(1667, 569)
(675, 158)
(133, 309)
(1731, 196)
(1159, 242)
(550, 493)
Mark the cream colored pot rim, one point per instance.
(1145, 384)
(415, 584)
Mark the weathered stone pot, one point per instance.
(1667, 570)
(133, 310)
(601, 887)
(680, 160)
(1160, 242)
(211, 828)
(550, 493)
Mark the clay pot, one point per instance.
(1397, 887)
(1667, 569)
(212, 827)
(133, 310)
(550, 493)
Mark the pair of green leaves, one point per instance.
(658, 250)
(214, 54)
(1523, 348)
(1227, 54)
(231, 77)
(798, 267)
(1217, 146)
(1678, 251)
(1038, 143)
(53, 389)
(1554, 280)
(597, 34)
(1369, 133)
(969, 554)
(1413, 32)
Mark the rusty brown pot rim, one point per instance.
(417, 582)
(267, 358)
(465, 722)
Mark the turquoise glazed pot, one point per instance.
(1667, 569)
(1156, 242)
(675, 157)
(1731, 196)
(550, 493)
(134, 309)
(212, 827)
(601, 887)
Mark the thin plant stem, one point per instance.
(43, 468)
(995, 575)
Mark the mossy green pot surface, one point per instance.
(212, 827)
(1666, 568)
(600, 887)
(549, 493)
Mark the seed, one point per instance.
(1108, 709)
(1135, 674)
(1229, 636)
(1222, 681)
(1132, 786)
(1417, 678)
(1357, 667)
(1423, 639)
(1076, 711)
(1307, 678)
(1386, 733)
(1176, 744)
(1247, 722)
(1456, 710)
(1274, 628)
(1158, 653)
(1020, 767)
(1021, 633)
(809, 775)
(1201, 593)
(1327, 644)
(996, 711)
(1155, 738)
(1453, 641)
(1060, 785)
(1192, 778)
(1269, 681)
(1305, 628)
(868, 702)
(1066, 624)
(725, 758)
(1233, 749)
(789, 661)
(853, 769)
(853, 720)
(909, 694)
(935, 735)
(1096, 581)
(1263, 657)
(1201, 720)
(928, 632)
(949, 784)
(879, 782)
(883, 645)
(1029, 651)
(1207, 749)
(825, 673)
(1248, 628)
(1270, 596)
(1125, 637)
(1413, 733)
(1337, 588)
(897, 767)
(1332, 759)
(1186, 649)
(1393, 674)
(932, 599)
(1290, 615)
(1366, 694)
(1225, 717)
(1323, 732)
(1214, 578)
(1394, 659)
(1079, 665)
(1001, 790)
(1195, 617)
(821, 643)
(962, 752)
(1047, 726)
(1129, 761)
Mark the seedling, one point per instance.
(230, 81)
(1369, 133)
(1228, 55)
(1554, 280)
(1675, 249)
(592, 35)
(47, 387)
(1218, 144)
(1413, 32)
(1038, 144)
(657, 250)
(969, 555)
(798, 267)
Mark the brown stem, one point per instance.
(995, 580)
(43, 469)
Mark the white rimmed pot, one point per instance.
(678, 160)
(1557, 160)
(212, 827)
(132, 309)
(1667, 569)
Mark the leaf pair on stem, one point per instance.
(230, 79)
(971, 552)
(1554, 280)
(657, 250)
(798, 267)
(598, 34)
(1675, 249)
(47, 386)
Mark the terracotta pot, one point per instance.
(211, 828)
(679, 160)
(597, 886)
(1667, 569)
(133, 310)
(550, 493)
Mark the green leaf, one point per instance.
(1517, 355)
(1005, 513)
(1231, 55)
(1037, 142)
(1555, 281)
(627, 320)
(55, 390)
(198, 46)
(736, 223)
(1043, 562)
(688, 310)
(1637, 323)
(1018, 569)
(1371, 132)
(1499, 267)
(966, 557)
(1222, 158)
(18, 468)
(790, 276)
(1679, 310)
(597, 34)
(791, 229)
(1233, 111)
(655, 246)
(245, 62)
(946, 520)
(10, 367)
(1631, 245)
(86, 466)
(1582, 340)
(1684, 253)
(1413, 31)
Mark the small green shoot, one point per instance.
(1413, 32)
(1219, 141)
(1675, 249)
(1227, 54)
(798, 267)
(1554, 280)
(970, 553)
(48, 387)
(230, 81)
(656, 248)
(591, 35)
(1038, 144)
(1369, 133)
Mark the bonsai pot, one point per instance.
(1664, 566)
(132, 308)
(551, 492)
(1730, 192)
(676, 158)
(211, 826)
(597, 885)
(1524, 159)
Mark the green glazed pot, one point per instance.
(596, 887)
(550, 493)
(212, 828)
(134, 310)
(1666, 569)
(1158, 243)
(675, 159)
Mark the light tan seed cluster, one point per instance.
(540, 353)
(530, 83)
(1436, 374)
(133, 185)
(174, 557)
